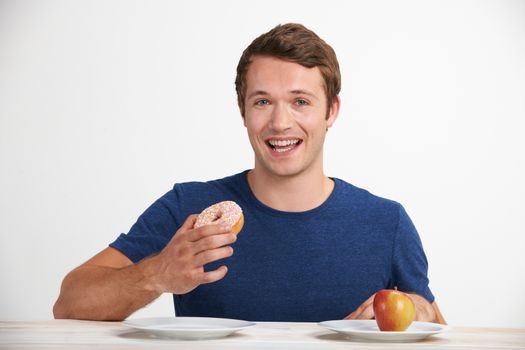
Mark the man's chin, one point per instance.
(285, 171)
(284, 168)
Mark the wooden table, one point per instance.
(68, 334)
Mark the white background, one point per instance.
(104, 105)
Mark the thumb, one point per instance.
(189, 223)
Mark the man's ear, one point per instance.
(333, 113)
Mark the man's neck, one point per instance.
(296, 193)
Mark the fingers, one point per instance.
(212, 242)
(215, 275)
(207, 230)
(189, 223)
(364, 312)
(209, 256)
(182, 261)
(204, 244)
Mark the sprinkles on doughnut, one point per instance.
(226, 212)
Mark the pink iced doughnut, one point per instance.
(226, 212)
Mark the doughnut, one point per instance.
(226, 212)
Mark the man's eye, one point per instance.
(301, 102)
(262, 102)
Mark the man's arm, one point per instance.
(107, 287)
(110, 287)
(425, 312)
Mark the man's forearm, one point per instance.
(105, 293)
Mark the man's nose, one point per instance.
(281, 118)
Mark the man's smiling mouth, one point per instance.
(283, 145)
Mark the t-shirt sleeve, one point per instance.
(410, 265)
(153, 229)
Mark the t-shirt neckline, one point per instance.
(286, 214)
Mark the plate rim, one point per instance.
(441, 328)
(155, 327)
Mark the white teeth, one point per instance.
(283, 143)
(281, 150)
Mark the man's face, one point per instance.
(286, 116)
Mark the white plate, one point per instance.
(367, 330)
(188, 327)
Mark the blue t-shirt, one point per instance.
(309, 266)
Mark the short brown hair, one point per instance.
(295, 43)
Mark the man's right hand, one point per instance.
(179, 268)
(110, 287)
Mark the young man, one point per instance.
(312, 248)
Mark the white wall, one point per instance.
(105, 104)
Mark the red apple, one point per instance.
(394, 310)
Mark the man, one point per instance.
(313, 248)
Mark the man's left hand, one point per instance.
(425, 312)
